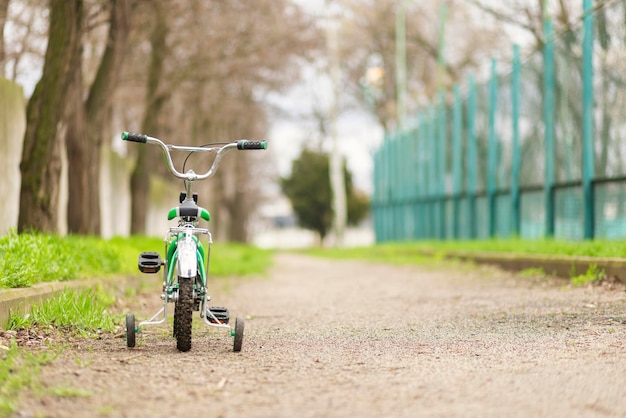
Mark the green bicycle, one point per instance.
(186, 264)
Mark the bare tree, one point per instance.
(156, 97)
(368, 43)
(89, 120)
(40, 166)
(218, 60)
(253, 59)
(528, 15)
(25, 42)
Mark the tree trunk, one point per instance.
(4, 9)
(240, 206)
(140, 178)
(337, 182)
(77, 154)
(41, 166)
(88, 126)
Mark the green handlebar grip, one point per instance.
(129, 136)
(246, 144)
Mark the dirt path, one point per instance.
(350, 339)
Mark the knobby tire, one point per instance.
(183, 314)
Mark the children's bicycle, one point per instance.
(186, 264)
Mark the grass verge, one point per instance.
(417, 252)
(593, 275)
(85, 312)
(19, 371)
(597, 248)
(32, 258)
(239, 260)
(27, 259)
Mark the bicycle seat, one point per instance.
(188, 210)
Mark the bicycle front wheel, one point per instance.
(183, 314)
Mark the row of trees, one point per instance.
(195, 71)
(199, 70)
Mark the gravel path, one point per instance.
(351, 339)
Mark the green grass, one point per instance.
(77, 312)
(533, 272)
(85, 312)
(518, 246)
(238, 260)
(27, 259)
(69, 392)
(406, 251)
(594, 274)
(19, 370)
(392, 254)
(422, 252)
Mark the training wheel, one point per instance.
(130, 330)
(239, 325)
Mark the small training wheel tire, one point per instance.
(130, 330)
(239, 325)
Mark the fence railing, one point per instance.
(537, 151)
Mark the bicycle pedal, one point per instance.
(149, 262)
(221, 314)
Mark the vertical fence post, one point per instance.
(391, 162)
(432, 172)
(400, 184)
(472, 155)
(380, 189)
(588, 128)
(412, 174)
(387, 188)
(516, 151)
(414, 153)
(374, 202)
(493, 149)
(419, 164)
(407, 180)
(457, 122)
(422, 173)
(548, 120)
(384, 194)
(442, 129)
(396, 185)
(425, 171)
(382, 201)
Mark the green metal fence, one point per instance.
(536, 151)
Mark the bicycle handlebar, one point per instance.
(242, 144)
(129, 136)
